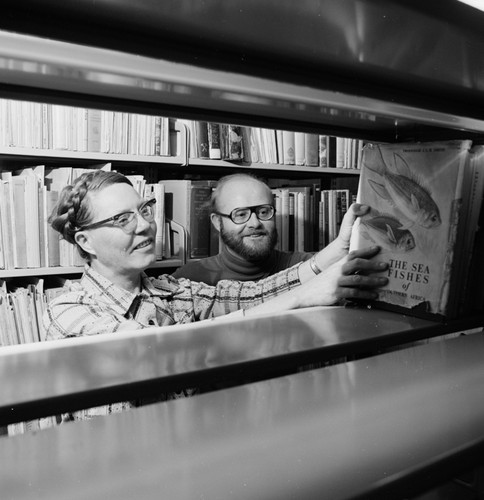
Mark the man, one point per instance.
(243, 213)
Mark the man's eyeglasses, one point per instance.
(243, 214)
(127, 221)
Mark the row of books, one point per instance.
(215, 141)
(21, 312)
(35, 125)
(52, 126)
(308, 217)
(27, 197)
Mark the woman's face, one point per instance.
(116, 254)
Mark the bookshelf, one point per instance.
(338, 79)
(309, 87)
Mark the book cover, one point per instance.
(417, 193)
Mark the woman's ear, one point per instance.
(83, 240)
(216, 222)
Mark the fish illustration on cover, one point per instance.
(415, 194)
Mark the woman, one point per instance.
(114, 230)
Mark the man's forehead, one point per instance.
(245, 192)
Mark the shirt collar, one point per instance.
(98, 286)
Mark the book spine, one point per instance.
(235, 143)
(300, 148)
(214, 148)
(289, 139)
(331, 151)
(311, 147)
(200, 221)
(94, 130)
(202, 140)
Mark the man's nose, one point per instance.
(253, 220)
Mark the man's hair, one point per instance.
(229, 178)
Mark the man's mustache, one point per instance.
(256, 233)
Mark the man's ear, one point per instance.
(83, 240)
(216, 222)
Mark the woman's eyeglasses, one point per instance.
(243, 214)
(127, 221)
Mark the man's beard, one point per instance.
(260, 250)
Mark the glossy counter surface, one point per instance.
(377, 426)
(85, 372)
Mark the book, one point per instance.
(214, 150)
(311, 189)
(312, 149)
(331, 151)
(187, 202)
(157, 191)
(235, 144)
(8, 222)
(323, 150)
(473, 291)
(203, 147)
(300, 148)
(19, 219)
(418, 194)
(289, 143)
(51, 237)
(34, 181)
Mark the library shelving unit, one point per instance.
(13, 157)
(392, 72)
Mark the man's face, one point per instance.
(253, 240)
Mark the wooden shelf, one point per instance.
(198, 162)
(83, 156)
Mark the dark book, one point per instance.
(331, 151)
(187, 202)
(214, 148)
